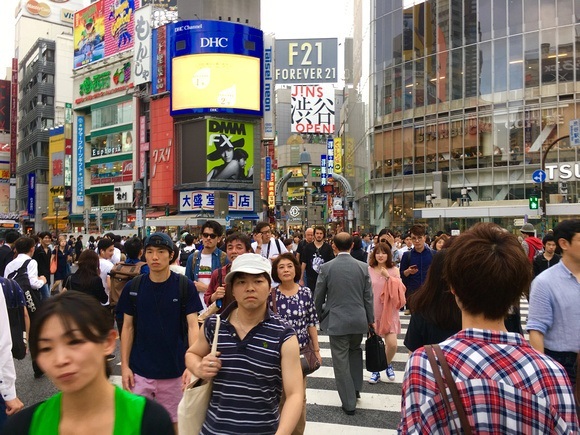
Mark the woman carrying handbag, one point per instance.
(294, 303)
(258, 357)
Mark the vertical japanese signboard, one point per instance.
(330, 157)
(142, 52)
(81, 161)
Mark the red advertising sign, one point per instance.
(13, 118)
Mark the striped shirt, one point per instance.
(505, 386)
(246, 391)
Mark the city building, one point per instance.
(453, 112)
(43, 49)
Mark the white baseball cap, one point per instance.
(253, 264)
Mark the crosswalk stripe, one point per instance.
(379, 407)
(314, 428)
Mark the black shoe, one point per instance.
(38, 375)
(358, 394)
(348, 412)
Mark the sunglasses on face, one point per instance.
(211, 236)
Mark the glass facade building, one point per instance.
(464, 98)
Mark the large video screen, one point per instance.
(215, 82)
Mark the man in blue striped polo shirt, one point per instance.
(258, 355)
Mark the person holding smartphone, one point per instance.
(415, 262)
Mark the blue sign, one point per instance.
(329, 157)
(31, 193)
(323, 179)
(539, 176)
(268, 169)
(575, 132)
(80, 161)
(215, 67)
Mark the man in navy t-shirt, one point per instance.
(152, 342)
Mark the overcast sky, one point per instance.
(295, 19)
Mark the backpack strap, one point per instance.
(183, 286)
(135, 285)
(278, 246)
(22, 269)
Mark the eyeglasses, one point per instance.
(211, 236)
(265, 232)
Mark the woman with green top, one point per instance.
(70, 340)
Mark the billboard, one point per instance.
(89, 35)
(230, 150)
(103, 29)
(269, 98)
(312, 109)
(215, 67)
(5, 86)
(306, 61)
(80, 158)
(217, 150)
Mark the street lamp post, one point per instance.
(305, 162)
(56, 204)
(140, 193)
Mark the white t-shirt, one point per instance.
(270, 249)
(105, 266)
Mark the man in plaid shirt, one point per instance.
(504, 384)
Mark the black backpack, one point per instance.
(183, 256)
(183, 285)
(32, 296)
(12, 293)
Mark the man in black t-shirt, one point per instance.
(7, 250)
(313, 256)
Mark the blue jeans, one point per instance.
(566, 360)
(44, 292)
(3, 415)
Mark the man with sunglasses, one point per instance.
(203, 262)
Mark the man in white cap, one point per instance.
(531, 244)
(257, 358)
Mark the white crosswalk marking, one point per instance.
(378, 409)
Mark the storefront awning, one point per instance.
(51, 218)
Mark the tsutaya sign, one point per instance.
(563, 171)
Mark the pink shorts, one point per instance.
(166, 392)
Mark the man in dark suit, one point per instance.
(7, 250)
(344, 302)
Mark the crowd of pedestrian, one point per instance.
(160, 297)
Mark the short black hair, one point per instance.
(133, 248)
(215, 226)
(104, 244)
(24, 244)
(548, 238)
(13, 235)
(567, 230)
(188, 239)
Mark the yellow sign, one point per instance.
(216, 80)
(337, 155)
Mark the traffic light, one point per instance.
(534, 203)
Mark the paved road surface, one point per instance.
(378, 410)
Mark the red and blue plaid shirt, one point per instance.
(505, 385)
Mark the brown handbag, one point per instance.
(308, 360)
(431, 351)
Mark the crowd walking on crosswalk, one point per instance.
(125, 325)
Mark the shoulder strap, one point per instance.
(183, 286)
(273, 297)
(278, 245)
(431, 350)
(135, 284)
(219, 274)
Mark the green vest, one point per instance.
(128, 414)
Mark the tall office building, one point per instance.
(464, 97)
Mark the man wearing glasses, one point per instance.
(266, 245)
(202, 263)
(415, 262)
